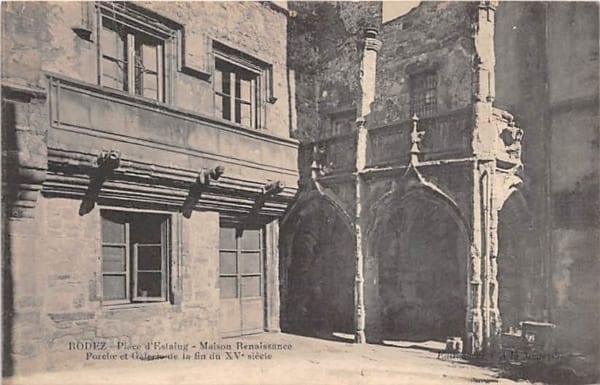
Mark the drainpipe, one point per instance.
(367, 85)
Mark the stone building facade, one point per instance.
(468, 181)
(446, 182)
(146, 161)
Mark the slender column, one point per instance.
(495, 326)
(272, 276)
(485, 250)
(367, 84)
(483, 285)
(474, 319)
(359, 284)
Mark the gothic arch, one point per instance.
(317, 264)
(403, 261)
(401, 193)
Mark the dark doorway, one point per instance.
(515, 270)
(422, 272)
(318, 298)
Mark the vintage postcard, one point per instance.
(300, 192)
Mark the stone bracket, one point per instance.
(268, 190)
(26, 148)
(198, 187)
(108, 161)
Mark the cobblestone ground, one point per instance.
(310, 361)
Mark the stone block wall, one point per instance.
(42, 39)
(325, 53)
(432, 36)
(56, 288)
(546, 75)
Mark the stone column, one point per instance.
(25, 120)
(474, 318)
(272, 277)
(483, 310)
(367, 85)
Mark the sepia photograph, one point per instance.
(300, 192)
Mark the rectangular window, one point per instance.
(135, 256)
(423, 94)
(240, 263)
(132, 49)
(240, 86)
(342, 122)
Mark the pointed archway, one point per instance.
(317, 269)
(422, 252)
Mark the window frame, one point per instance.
(131, 269)
(239, 251)
(138, 25)
(421, 83)
(242, 63)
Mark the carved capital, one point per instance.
(372, 44)
(23, 113)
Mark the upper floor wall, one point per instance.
(572, 50)
(425, 63)
(197, 51)
(325, 49)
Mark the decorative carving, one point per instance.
(416, 137)
(511, 137)
(269, 189)
(318, 166)
(371, 41)
(201, 184)
(107, 162)
(273, 188)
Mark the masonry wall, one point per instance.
(42, 39)
(52, 257)
(325, 52)
(432, 36)
(547, 75)
(572, 51)
(57, 288)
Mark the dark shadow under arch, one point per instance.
(418, 245)
(516, 270)
(317, 262)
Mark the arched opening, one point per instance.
(318, 272)
(422, 250)
(515, 270)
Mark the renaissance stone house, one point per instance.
(146, 161)
(449, 173)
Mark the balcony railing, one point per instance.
(447, 135)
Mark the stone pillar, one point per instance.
(24, 125)
(495, 322)
(483, 287)
(272, 277)
(367, 85)
(485, 249)
(474, 318)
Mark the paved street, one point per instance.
(310, 361)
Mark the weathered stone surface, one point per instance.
(57, 120)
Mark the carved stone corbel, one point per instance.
(269, 189)
(201, 184)
(108, 161)
(23, 119)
